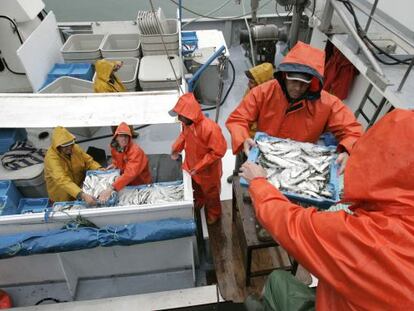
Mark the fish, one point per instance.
(151, 194)
(297, 167)
(97, 181)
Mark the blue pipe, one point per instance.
(198, 73)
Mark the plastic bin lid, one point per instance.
(157, 68)
(201, 56)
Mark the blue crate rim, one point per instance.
(333, 184)
(63, 203)
(164, 183)
(98, 172)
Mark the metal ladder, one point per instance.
(377, 110)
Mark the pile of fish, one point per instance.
(300, 168)
(98, 181)
(155, 193)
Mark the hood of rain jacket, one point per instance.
(64, 175)
(262, 73)
(363, 261)
(103, 83)
(379, 174)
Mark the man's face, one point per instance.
(122, 140)
(67, 151)
(296, 88)
(185, 120)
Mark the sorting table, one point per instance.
(243, 215)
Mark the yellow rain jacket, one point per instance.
(103, 81)
(64, 175)
(262, 73)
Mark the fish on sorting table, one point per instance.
(151, 194)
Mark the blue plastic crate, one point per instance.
(189, 42)
(99, 172)
(27, 206)
(189, 37)
(7, 207)
(333, 184)
(329, 139)
(8, 136)
(83, 71)
(7, 188)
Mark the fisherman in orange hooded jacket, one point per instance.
(294, 106)
(130, 159)
(204, 146)
(364, 261)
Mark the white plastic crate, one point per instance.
(85, 47)
(158, 49)
(73, 85)
(128, 73)
(155, 72)
(120, 45)
(171, 36)
(68, 85)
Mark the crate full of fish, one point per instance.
(97, 181)
(304, 172)
(156, 193)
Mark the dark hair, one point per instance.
(249, 75)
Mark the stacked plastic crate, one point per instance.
(160, 65)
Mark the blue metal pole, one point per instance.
(204, 67)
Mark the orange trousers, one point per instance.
(209, 197)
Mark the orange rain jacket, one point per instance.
(203, 142)
(339, 74)
(306, 120)
(363, 261)
(132, 162)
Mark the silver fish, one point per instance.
(297, 167)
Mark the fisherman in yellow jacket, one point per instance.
(65, 167)
(106, 81)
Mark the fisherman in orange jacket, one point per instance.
(204, 146)
(130, 159)
(364, 261)
(294, 106)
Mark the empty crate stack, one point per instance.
(82, 48)
(160, 67)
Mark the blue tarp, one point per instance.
(77, 238)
